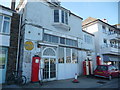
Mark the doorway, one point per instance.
(49, 59)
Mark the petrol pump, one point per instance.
(35, 68)
(87, 67)
(98, 60)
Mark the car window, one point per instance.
(102, 68)
(112, 68)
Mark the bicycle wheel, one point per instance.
(21, 80)
(11, 80)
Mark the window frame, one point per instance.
(3, 20)
(63, 16)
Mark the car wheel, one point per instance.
(110, 77)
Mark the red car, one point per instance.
(106, 71)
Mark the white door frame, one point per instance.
(50, 57)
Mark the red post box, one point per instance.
(35, 68)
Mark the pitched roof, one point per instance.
(88, 20)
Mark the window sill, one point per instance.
(61, 25)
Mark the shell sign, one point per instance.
(29, 45)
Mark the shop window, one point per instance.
(74, 56)
(61, 55)
(4, 24)
(68, 55)
(3, 57)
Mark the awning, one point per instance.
(111, 58)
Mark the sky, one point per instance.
(99, 10)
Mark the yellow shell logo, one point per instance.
(29, 45)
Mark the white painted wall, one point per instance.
(4, 40)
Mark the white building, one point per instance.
(56, 36)
(5, 21)
(107, 39)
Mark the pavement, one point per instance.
(84, 82)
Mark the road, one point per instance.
(84, 82)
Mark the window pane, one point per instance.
(1, 18)
(56, 15)
(68, 55)
(66, 18)
(74, 56)
(7, 18)
(62, 40)
(54, 39)
(6, 27)
(3, 55)
(62, 16)
(61, 55)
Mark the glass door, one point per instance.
(49, 71)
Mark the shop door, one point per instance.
(49, 71)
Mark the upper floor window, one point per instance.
(56, 15)
(104, 29)
(4, 24)
(60, 40)
(61, 16)
(88, 39)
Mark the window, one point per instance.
(63, 15)
(55, 39)
(1, 19)
(105, 41)
(56, 15)
(71, 55)
(4, 24)
(104, 29)
(51, 38)
(71, 42)
(61, 55)
(88, 39)
(62, 40)
(74, 56)
(68, 55)
(3, 57)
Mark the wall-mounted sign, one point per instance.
(29, 45)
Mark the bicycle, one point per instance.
(17, 78)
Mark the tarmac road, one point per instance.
(84, 82)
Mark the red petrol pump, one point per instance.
(98, 60)
(87, 67)
(35, 68)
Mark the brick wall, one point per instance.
(12, 51)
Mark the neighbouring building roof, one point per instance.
(88, 20)
(91, 20)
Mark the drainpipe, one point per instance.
(19, 39)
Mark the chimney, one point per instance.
(105, 20)
(13, 4)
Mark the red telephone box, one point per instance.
(35, 68)
(98, 60)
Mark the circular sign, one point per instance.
(29, 45)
